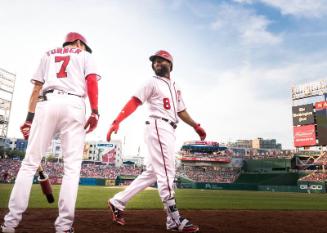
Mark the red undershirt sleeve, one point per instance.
(92, 91)
(128, 109)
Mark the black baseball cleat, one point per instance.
(117, 214)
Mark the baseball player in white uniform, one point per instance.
(166, 105)
(65, 76)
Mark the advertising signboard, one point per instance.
(304, 135)
(303, 114)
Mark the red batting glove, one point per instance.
(92, 122)
(200, 131)
(25, 129)
(113, 128)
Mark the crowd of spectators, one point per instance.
(245, 153)
(315, 176)
(108, 172)
(322, 159)
(209, 174)
(268, 154)
(220, 154)
(9, 169)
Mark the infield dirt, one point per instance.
(229, 221)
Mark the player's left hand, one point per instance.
(92, 122)
(113, 128)
(200, 131)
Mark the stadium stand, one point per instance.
(209, 174)
(9, 169)
(315, 176)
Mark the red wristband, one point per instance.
(196, 126)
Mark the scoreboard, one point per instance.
(321, 119)
(310, 124)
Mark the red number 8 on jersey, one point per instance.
(166, 103)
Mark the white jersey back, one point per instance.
(65, 69)
(163, 96)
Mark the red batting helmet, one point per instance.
(73, 36)
(163, 54)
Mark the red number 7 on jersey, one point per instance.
(62, 72)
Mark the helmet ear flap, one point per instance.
(171, 66)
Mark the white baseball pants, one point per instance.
(63, 114)
(160, 164)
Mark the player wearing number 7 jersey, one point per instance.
(65, 76)
(166, 106)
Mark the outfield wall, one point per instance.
(273, 182)
(267, 165)
(289, 178)
(97, 181)
(284, 182)
(245, 187)
(311, 187)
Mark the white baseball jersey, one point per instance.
(65, 69)
(163, 96)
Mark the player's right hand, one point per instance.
(113, 128)
(200, 131)
(25, 129)
(92, 122)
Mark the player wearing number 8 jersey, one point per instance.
(166, 106)
(63, 79)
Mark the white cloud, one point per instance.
(304, 8)
(248, 100)
(234, 111)
(299, 8)
(245, 24)
(255, 32)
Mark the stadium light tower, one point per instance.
(7, 86)
(318, 88)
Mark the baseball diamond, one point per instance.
(40, 220)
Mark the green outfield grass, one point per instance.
(95, 197)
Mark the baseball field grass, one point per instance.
(95, 197)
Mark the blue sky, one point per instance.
(236, 60)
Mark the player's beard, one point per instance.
(163, 71)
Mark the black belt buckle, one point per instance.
(173, 125)
(170, 122)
